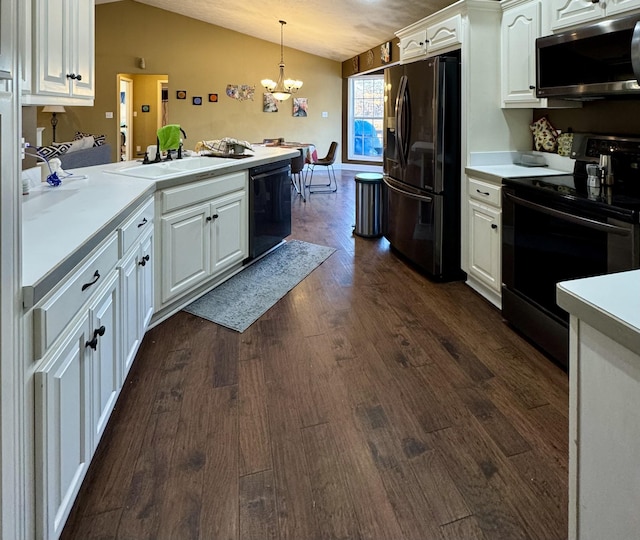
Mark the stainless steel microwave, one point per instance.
(595, 61)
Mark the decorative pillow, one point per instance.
(565, 141)
(98, 140)
(545, 137)
(71, 146)
(55, 150)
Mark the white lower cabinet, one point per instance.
(136, 274)
(200, 241)
(76, 389)
(485, 239)
(87, 332)
(104, 349)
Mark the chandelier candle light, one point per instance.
(282, 89)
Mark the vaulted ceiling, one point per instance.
(334, 29)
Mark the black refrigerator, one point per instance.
(421, 190)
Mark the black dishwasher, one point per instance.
(269, 206)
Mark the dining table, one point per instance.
(309, 150)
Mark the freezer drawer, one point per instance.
(415, 222)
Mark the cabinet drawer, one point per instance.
(444, 34)
(54, 313)
(140, 222)
(485, 192)
(188, 194)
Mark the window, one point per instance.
(366, 113)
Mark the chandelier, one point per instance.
(282, 89)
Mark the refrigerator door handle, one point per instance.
(401, 119)
(405, 193)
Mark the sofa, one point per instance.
(96, 155)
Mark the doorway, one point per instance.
(125, 117)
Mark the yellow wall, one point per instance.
(202, 59)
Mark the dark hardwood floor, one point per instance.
(369, 403)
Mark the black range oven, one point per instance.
(558, 228)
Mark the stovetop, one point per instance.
(574, 190)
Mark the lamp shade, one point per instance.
(53, 109)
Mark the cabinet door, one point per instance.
(484, 244)
(186, 250)
(82, 51)
(145, 282)
(565, 13)
(444, 35)
(52, 37)
(63, 436)
(104, 344)
(520, 28)
(414, 45)
(228, 230)
(130, 309)
(615, 7)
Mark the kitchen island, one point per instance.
(106, 254)
(604, 401)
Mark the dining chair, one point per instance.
(297, 165)
(327, 162)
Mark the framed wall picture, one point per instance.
(146, 108)
(269, 103)
(385, 52)
(300, 106)
(213, 98)
(197, 100)
(181, 94)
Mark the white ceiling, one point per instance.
(334, 29)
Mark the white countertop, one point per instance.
(494, 166)
(610, 303)
(61, 225)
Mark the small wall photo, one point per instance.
(300, 106)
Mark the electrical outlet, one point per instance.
(108, 114)
(325, 114)
(138, 149)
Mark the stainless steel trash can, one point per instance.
(368, 204)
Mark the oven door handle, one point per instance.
(417, 196)
(586, 222)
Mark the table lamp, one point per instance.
(54, 109)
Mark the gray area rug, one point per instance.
(241, 300)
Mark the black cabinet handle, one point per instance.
(483, 192)
(78, 77)
(532, 87)
(214, 216)
(142, 223)
(144, 260)
(96, 277)
(595, 1)
(94, 342)
(494, 226)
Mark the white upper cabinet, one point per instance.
(520, 28)
(63, 53)
(433, 35)
(568, 13)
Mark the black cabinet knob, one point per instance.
(144, 260)
(532, 87)
(494, 226)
